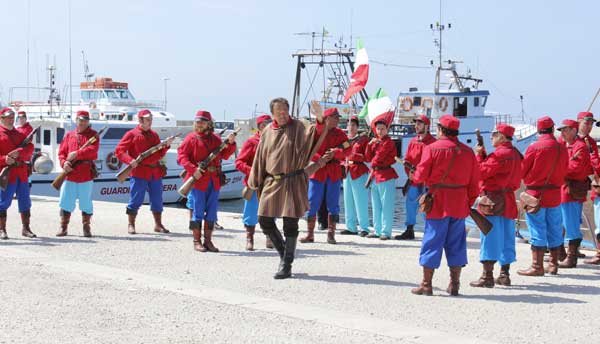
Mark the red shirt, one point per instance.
(464, 172)
(333, 169)
(9, 141)
(86, 156)
(134, 143)
(25, 128)
(244, 161)
(502, 170)
(382, 153)
(579, 166)
(194, 149)
(355, 162)
(537, 164)
(415, 150)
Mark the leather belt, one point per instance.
(150, 165)
(447, 186)
(213, 169)
(542, 187)
(281, 176)
(379, 168)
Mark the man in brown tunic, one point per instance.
(280, 175)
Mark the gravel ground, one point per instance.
(154, 288)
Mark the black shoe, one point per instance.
(408, 234)
(322, 226)
(364, 234)
(372, 235)
(285, 265)
(348, 232)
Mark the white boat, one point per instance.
(113, 106)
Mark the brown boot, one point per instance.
(562, 254)
(86, 220)
(250, 238)
(552, 267)
(425, 288)
(208, 230)
(191, 217)
(571, 260)
(131, 214)
(158, 226)
(504, 277)
(26, 231)
(268, 242)
(3, 235)
(195, 227)
(332, 221)
(595, 260)
(487, 278)
(536, 268)
(65, 217)
(311, 222)
(454, 284)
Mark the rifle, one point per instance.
(182, 174)
(411, 168)
(126, 171)
(187, 186)
(60, 179)
(14, 154)
(349, 143)
(480, 142)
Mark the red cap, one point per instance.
(202, 115)
(261, 119)
(21, 114)
(505, 130)
(84, 115)
(449, 122)
(6, 112)
(331, 112)
(354, 118)
(544, 123)
(588, 116)
(145, 113)
(568, 123)
(422, 118)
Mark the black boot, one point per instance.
(285, 265)
(278, 242)
(409, 234)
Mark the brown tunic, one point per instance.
(284, 149)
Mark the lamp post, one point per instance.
(165, 92)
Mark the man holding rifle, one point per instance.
(77, 159)
(15, 158)
(146, 174)
(195, 148)
(412, 159)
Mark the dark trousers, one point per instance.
(322, 214)
(290, 225)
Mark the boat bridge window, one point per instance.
(460, 106)
(89, 95)
(115, 133)
(60, 134)
(476, 101)
(111, 94)
(224, 125)
(47, 134)
(417, 101)
(38, 137)
(124, 94)
(484, 101)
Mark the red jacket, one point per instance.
(595, 158)
(85, 157)
(537, 164)
(578, 168)
(333, 169)
(194, 149)
(9, 141)
(135, 142)
(464, 172)
(355, 162)
(502, 170)
(415, 150)
(382, 153)
(25, 129)
(244, 161)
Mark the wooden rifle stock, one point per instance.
(14, 154)
(126, 171)
(480, 142)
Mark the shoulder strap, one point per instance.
(455, 151)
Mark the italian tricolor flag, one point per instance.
(361, 72)
(379, 107)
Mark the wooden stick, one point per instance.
(593, 100)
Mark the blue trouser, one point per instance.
(250, 215)
(316, 189)
(447, 234)
(571, 216)
(72, 191)
(356, 203)
(545, 227)
(382, 196)
(138, 188)
(23, 198)
(499, 244)
(412, 204)
(205, 203)
(597, 214)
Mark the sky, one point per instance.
(230, 57)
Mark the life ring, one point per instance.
(406, 103)
(427, 103)
(443, 104)
(112, 162)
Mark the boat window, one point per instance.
(85, 95)
(60, 133)
(38, 136)
(47, 134)
(460, 107)
(484, 101)
(417, 101)
(476, 101)
(115, 133)
(111, 94)
(123, 94)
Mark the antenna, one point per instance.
(522, 109)
(28, 40)
(86, 68)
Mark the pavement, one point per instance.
(153, 288)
